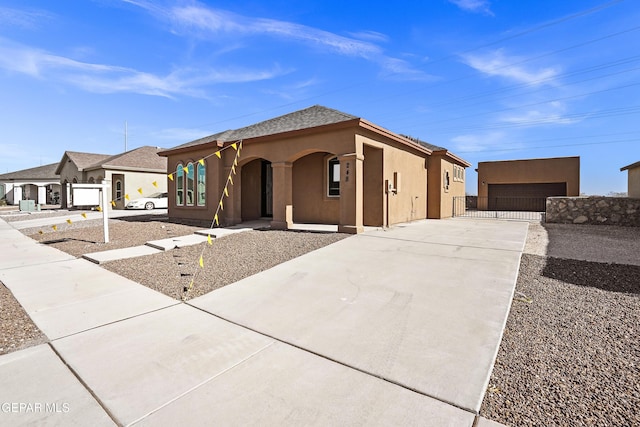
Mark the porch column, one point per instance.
(351, 185)
(42, 195)
(282, 195)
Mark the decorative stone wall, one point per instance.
(594, 210)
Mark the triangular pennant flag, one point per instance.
(217, 153)
(99, 209)
(113, 203)
(68, 221)
(201, 262)
(55, 227)
(185, 169)
(235, 146)
(84, 215)
(190, 285)
(40, 232)
(126, 196)
(155, 184)
(215, 219)
(201, 161)
(209, 239)
(235, 162)
(221, 205)
(140, 190)
(233, 169)
(230, 180)
(170, 176)
(226, 192)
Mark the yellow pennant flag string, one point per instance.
(209, 239)
(155, 184)
(185, 169)
(126, 196)
(230, 180)
(226, 192)
(84, 215)
(113, 203)
(68, 221)
(201, 161)
(218, 155)
(140, 190)
(201, 262)
(215, 219)
(221, 205)
(99, 209)
(170, 176)
(235, 146)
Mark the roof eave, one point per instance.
(452, 156)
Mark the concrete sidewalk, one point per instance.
(396, 327)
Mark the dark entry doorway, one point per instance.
(266, 191)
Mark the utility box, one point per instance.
(28, 206)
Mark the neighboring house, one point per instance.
(633, 186)
(127, 172)
(41, 184)
(315, 165)
(505, 185)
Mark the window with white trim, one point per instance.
(201, 184)
(179, 185)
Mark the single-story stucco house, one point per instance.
(513, 184)
(633, 179)
(315, 165)
(40, 184)
(141, 168)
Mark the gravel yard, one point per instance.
(569, 356)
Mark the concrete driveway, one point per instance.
(384, 328)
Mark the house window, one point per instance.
(190, 184)
(179, 185)
(333, 175)
(458, 173)
(201, 184)
(118, 190)
(446, 181)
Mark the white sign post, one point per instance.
(89, 195)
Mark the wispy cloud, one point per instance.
(473, 143)
(29, 19)
(498, 64)
(551, 116)
(101, 78)
(475, 6)
(209, 24)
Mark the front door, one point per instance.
(117, 191)
(267, 189)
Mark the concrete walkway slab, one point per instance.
(422, 305)
(286, 386)
(177, 242)
(68, 297)
(114, 254)
(17, 250)
(221, 232)
(157, 358)
(38, 389)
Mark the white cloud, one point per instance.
(475, 6)
(28, 19)
(102, 78)
(498, 64)
(537, 118)
(472, 143)
(211, 24)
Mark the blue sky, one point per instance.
(488, 79)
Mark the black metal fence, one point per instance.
(523, 208)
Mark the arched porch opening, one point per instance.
(316, 200)
(257, 190)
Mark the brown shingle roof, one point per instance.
(631, 166)
(84, 160)
(39, 172)
(314, 116)
(144, 158)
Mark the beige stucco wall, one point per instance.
(533, 171)
(441, 199)
(634, 182)
(311, 204)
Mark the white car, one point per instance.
(156, 200)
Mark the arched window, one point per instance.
(190, 184)
(179, 185)
(118, 189)
(201, 184)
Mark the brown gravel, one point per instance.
(17, 330)
(570, 354)
(87, 236)
(226, 261)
